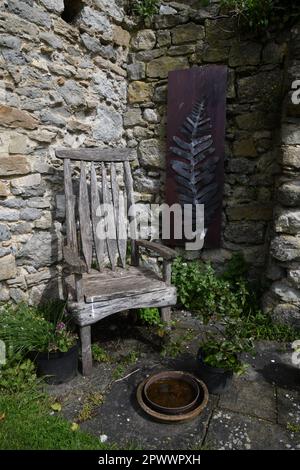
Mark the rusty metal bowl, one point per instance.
(173, 392)
(181, 415)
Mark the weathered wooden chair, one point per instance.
(94, 294)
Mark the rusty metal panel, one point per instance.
(196, 143)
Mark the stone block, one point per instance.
(14, 165)
(286, 293)
(264, 87)
(186, 33)
(244, 53)
(285, 248)
(4, 233)
(13, 117)
(143, 40)
(31, 14)
(288, 221)
(26, 181)
(8, 267)
(291, 156)
(252, 233)
(108, 124)
(140, 92)
(159, 68)
(120, 36)
(133, 117)
(136, 71)
(42, 249)
(245, 148)
(151, 153)
(57, 6)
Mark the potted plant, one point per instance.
(218, 358)
(45, 335)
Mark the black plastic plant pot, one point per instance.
(216, 379)
(57, 367)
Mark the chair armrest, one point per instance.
(167, 253)
(76, 264)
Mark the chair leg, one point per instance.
(86, 350)
(165, 313)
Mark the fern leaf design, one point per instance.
(194, 171)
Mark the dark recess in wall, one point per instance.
(71, 10)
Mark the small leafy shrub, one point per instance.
(40, 329)
(200, 290)
(223, 354)
(228, 298)
(18, 376)
(145, 8)
(99, 354)
(150, 315)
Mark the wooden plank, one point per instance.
(70, 207)
(167, 272)
(119, 216)
(96, 155)
(85, 218)
(96, 217)
(131, 212)
(87, 314)
(86, 350)
(111, 242)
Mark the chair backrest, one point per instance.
(103, 179)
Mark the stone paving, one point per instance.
(259, 410)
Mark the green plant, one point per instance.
(258, 15)
(200, 290)
(99, 354)
(17, 376)
(119, 371)
(174, 347)
(228, 298)
(150, 315)
(255, 13)
(145, 8)
(40, 329)
(295, 428)
(223, 354)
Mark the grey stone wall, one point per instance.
(62, 85)
(186, 36)
(102, 81)
(283, 298)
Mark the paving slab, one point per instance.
(251, 398)
(272, 363)
(288, 403)
(122, 421)
(234, 431)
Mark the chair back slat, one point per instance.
(70, 207)
(96, 218)
(85, 218)
(104, 178)
(118, 203)
(130, 207)
(111, 241)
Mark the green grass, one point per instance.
(26, 424)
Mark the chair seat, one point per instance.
(120, 283)
(108, 292)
